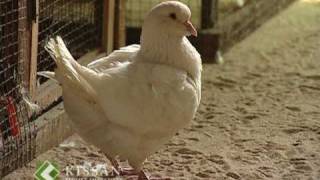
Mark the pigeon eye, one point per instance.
(173, 16)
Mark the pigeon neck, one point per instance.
(160, 48)
(173, 51)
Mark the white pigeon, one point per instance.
(133, 101)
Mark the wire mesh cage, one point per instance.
(204, 15)
(137, 9)
(17, 133)
(79, 22)
(25, 27)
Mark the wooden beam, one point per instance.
(120, 24)
(105, 22)
(24, 38)
(108, 25)
(206, 22)
(34, 50)
(209, 13)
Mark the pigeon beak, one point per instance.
(190, 28)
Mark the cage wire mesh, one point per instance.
(136, 11)
(78, 22)
(17, 133)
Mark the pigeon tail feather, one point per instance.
(69, 73)
(48, 74)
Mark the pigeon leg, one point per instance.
(128, 171)
(122, 171)
(143, 176)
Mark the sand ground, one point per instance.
(260, 112)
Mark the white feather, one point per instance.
(47, 74)
(33, 108)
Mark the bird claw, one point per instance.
(143, 176)
(158, 178)
(126, 171)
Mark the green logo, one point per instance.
(47, 171)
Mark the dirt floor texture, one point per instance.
(259, 117)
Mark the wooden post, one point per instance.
(108, 25)
(34, 49)
(209, 13)
(24, 42)
(120, 24)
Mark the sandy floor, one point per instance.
(260, 112)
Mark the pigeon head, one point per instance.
(163, 37)
(171, 19)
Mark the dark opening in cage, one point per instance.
(79, 22)
(17, 138)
